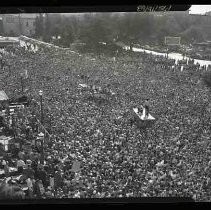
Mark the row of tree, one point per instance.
(130, 28)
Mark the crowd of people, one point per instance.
(171, 157)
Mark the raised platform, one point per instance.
(142, 115)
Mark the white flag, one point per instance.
(26, 74)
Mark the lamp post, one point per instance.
(41, 106)
(41, 138)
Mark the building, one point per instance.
(19, 24)
(208, 13)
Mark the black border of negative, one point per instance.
(69, 6)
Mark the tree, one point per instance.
(134, 28)
(193, 33)
(75, 27)
(128, 29)
(39, 26)
(94, 31)
(207, 79)
(47, 28)
(67, 36)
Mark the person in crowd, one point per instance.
(58, 179)
(42, 175)
(28, 171)
(8, 192)
(146, 107)
(30, 183)
(116, 159)
(20, 165)
(6, 169)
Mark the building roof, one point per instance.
(3, 96)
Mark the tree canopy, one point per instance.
(130, 28)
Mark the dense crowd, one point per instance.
(171, 157)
